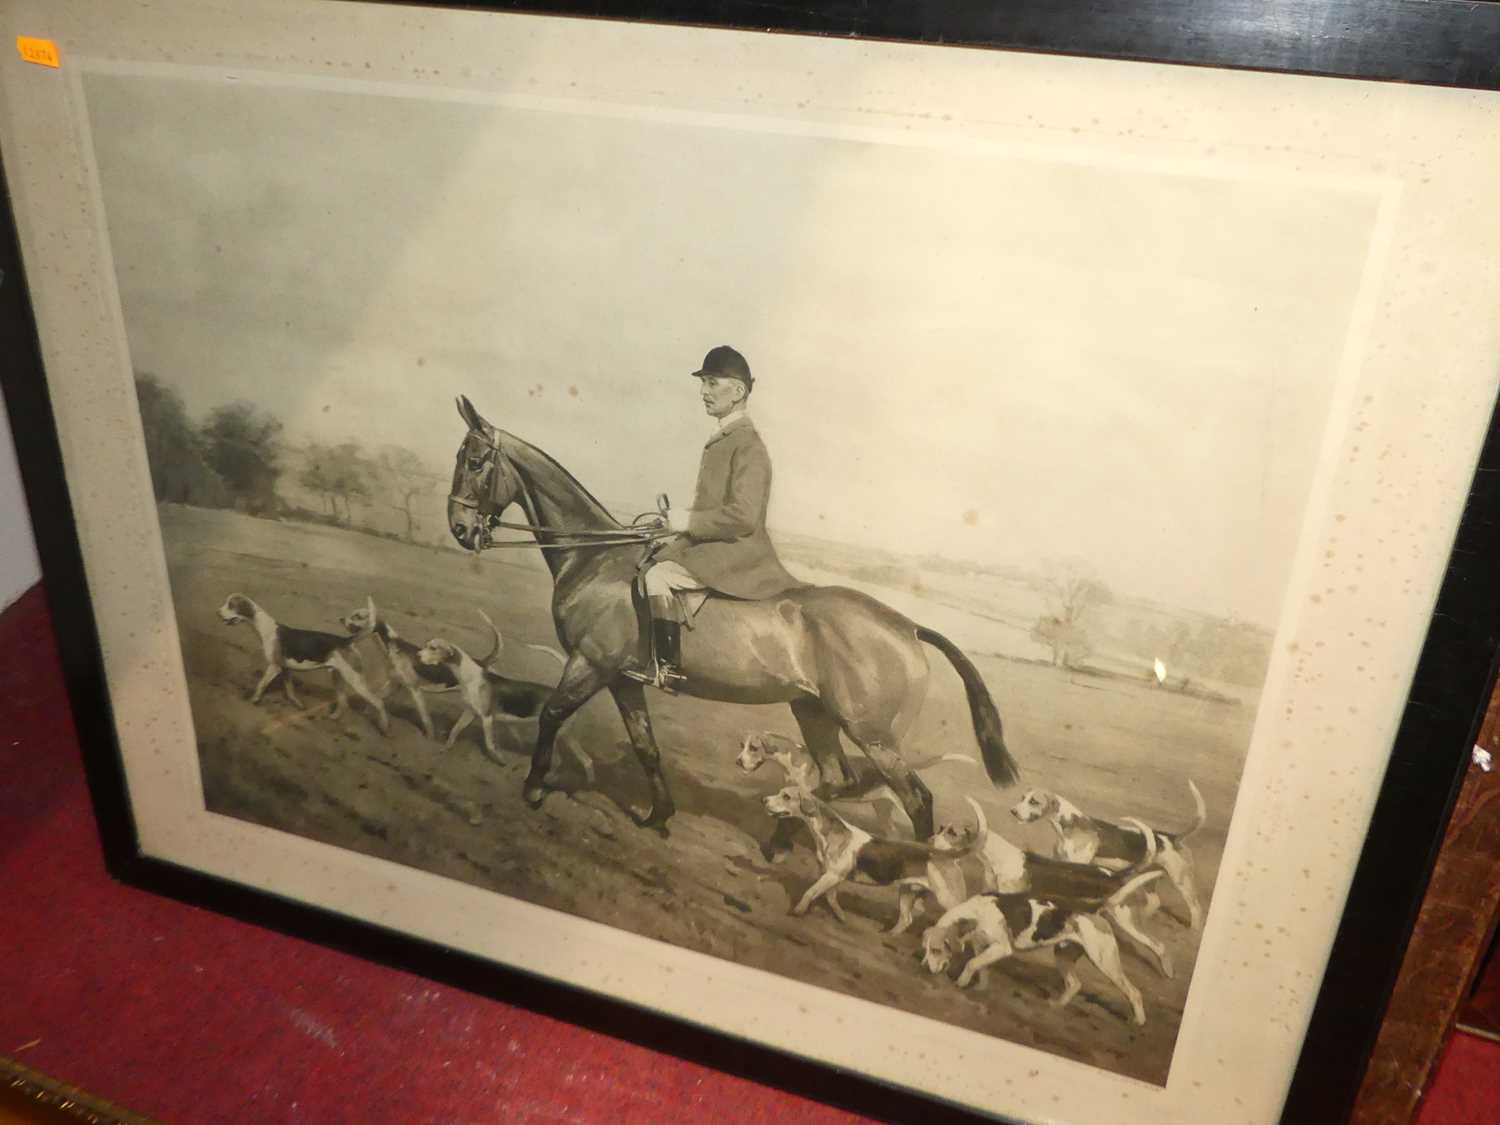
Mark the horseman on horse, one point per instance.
(845, 664)
(723, 546)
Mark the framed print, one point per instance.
(963, 568)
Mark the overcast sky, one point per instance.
(995, 357)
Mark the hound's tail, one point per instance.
(1131, 887)
(984, 829)
(1199, 817)
(988, 732)
(941, 758)
(549, 650)
(488, 661)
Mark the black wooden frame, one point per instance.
(1437, 42)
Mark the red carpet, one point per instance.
(188, 1016)
(1466, 1088)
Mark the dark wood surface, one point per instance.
(1439, 43)
(1480, 1013)
(1451, 936)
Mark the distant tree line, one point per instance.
(231, 460)
(1075, 625)
(237, 458)
(341, 474)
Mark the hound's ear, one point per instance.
(807, 804)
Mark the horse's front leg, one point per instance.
(580, 682)
(630, 698)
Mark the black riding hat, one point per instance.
(724, 362)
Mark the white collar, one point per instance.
(733, 416)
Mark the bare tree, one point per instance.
(1073, 591)
(348, 476)
(316, 478)
(410, 479)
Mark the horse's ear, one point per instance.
(466, 410)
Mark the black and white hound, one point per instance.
(487, 695)
(1088, 839)
(1009, 869)
(867, 785)
(802, 771)
(288, 649)
(994, 926)
(847, 853)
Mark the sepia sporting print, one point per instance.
(849, 560)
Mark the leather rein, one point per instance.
(646, 528)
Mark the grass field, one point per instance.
(1115, 747)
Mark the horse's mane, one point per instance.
(555, 464)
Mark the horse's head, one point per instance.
(484, 482)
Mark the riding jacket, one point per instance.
(726, 546)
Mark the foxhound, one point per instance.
(867, 785)
(303, 650)
(487, 695)
(1011, 870)
(1087, 839)
(417, 678)
(847, 853)
(995, 926)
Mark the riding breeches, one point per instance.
(673, 592)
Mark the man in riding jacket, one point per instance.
(723, 547)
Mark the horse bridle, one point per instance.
(648, 527)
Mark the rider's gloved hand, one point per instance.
(677, 519)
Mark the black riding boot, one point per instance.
(666, 642)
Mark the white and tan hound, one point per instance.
(995, 926)
(417, 678)
(847, 853)
(867, 784)
(288, 649)
(1087, 839)
(1012, 870)
(487, 695)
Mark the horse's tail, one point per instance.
(988, 732)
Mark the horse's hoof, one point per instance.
(651, 819)
(534, 795)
